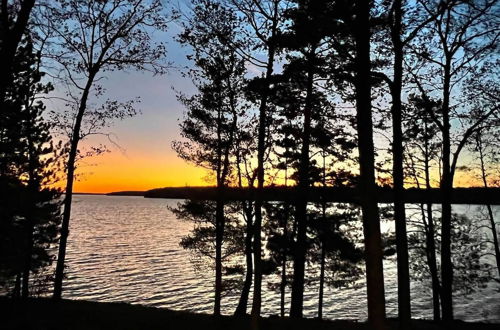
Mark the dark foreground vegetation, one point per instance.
(69, 315)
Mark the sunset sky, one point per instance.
(145, 159)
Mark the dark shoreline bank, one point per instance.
(73, 314)
(475, 195)
(316, 194)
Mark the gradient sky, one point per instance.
(145, 159)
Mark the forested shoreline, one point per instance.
(314, 121)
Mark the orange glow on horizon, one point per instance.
(144, 171)
(117, 172)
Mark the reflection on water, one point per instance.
(127, 249)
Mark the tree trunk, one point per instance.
(430, 238)
(261, 150)
(219, 236)
(283, 262)
(27, 258)
(63, 240)
(446, 189)
(321, 282)
(495, 237)
(241, 309)
(16, 293)
(301, 202)
(493, 227)
(371, 220)
(404, 307)
(431, 258)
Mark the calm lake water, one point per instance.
(126, 249)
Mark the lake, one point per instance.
(126, 249)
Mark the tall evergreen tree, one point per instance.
(367, 185)
(210, 125)
(31, 210)
(305, 42)
(14, 20)
(264, 19)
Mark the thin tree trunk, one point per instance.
(431, 247)
(16, 293)
(446, 190)
(321, 282)
(219, 236)
(296, 308)
(261, 150)
(285, 250)
(27, 258)
(241, 309)
(404, 307)
(371, 220)
(283, 266)
(430, 238)
(490, 211)
(33, 189)
(323, 250)
(495, 236)
(63, 240)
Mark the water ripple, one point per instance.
(126, 249)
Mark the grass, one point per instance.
(45, 314)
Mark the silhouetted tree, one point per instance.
(264, 19)
(422, 154)
(459, 40)
(210, 125)
(245, 176)
(30, 209)
(14, 20)
(471, 270)
(371, 219)
(88, 39)
(203, 243)
(305, 42)
(487, 152)
(336, 251)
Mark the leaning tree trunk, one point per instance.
(431, 252)
(241, 309)
(367, 187)
(63, 240)
(404, 307)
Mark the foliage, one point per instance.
(471, 270)
(29, 161)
